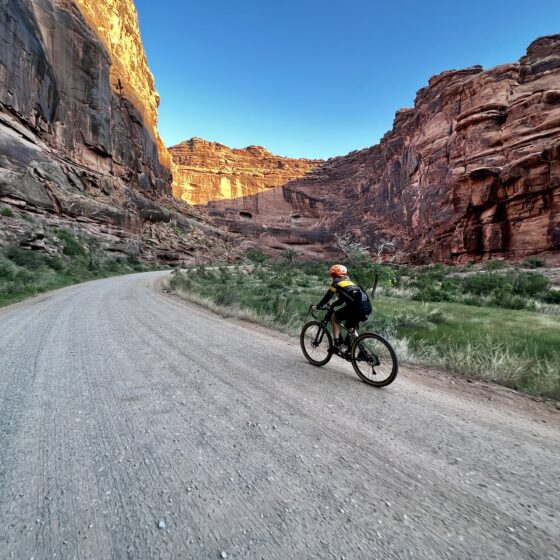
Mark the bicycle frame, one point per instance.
(353, 333)
(325, 321)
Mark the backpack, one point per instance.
(361, 301)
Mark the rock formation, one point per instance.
(471, 172)
(206, 171)
(78, 138)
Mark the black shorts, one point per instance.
(351, 316)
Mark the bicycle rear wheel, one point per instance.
(374, 360)
(316, 343)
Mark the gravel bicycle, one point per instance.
(371, 355)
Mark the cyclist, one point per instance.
(356, 304)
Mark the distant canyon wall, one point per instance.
(206, 171)
(78, 128)
(471, 172)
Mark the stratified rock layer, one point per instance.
(206, 171)
(78, 137)
(471, 172)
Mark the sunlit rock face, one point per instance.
(207, 171)
(76, 148)
(116, 24)
(471, 172)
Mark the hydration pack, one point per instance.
(361, 300)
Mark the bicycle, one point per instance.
(372, 356)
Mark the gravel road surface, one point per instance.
(133, 425)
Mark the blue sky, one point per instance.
(317, 78)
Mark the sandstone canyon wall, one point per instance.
(471, 172)
(78, 137)
(206, 171)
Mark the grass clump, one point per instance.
(480, 324)
(7, 212)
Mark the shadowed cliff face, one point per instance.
(206, 171)
(472, 171)
(74, 147)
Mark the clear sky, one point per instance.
(318, 78)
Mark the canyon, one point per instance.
(471, 172)
(79, 146)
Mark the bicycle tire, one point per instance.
(367, 348)
(320, 328)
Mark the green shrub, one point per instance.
(70, 245)
(26, 258)
(226, 295)
(319, 269)
(133, 260)
(484, 283)
(434, 293)
(56, 263)
(289, 255)
(256, 256)
(432, 273)
(552, 296)
(7, 212)
(24, 277)
(496, 264)
(504, 297)
(530, 284)
(534, 262)
(473, 300)
(7, 269)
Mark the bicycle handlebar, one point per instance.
(312, 311)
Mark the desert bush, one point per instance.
(7, 212)
(495, 264)
(225, 295)
(255, 255)
(70, 245)
(56, 263)
(25, 258)
(484, 283)
(133, 260)
(534, 262)
(504, 297)
(530, 284)
(552, 296)
(289, 255)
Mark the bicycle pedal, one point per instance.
(339, 351)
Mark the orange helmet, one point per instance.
(338, 270)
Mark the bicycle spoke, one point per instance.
(316, 343)
(374, 360)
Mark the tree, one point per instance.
(367, 269)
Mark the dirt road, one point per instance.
(136, 426)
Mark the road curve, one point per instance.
(133, 425)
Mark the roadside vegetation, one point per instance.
(71, 259)
(499, 323)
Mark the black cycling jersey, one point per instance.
(344, 288)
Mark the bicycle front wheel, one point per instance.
(316, 343)
(374, 360)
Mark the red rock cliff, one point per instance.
(206, 171)
(472, 171)
(78, 137)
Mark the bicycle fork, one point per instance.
(318, 338)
